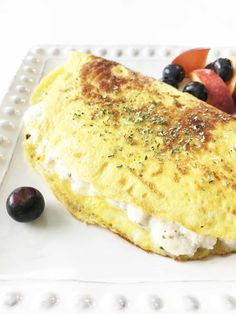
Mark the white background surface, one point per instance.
(24, 23)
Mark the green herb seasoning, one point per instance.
(175, 150)
(210, 180)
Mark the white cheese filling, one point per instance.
(171, 236)
(77, 185)
(178, 240)
(34, 112)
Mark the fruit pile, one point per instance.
(214, 83)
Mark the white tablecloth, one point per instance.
(24, 23)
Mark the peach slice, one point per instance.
(192, 59)
(218, 93)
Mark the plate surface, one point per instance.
(46, 261)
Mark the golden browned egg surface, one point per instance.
(139, 141)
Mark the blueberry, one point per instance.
(170, 82)
(174, 72)
(25, 204)
(223, 67)
(210, 66)
(197, 89)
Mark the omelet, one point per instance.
(136, 156)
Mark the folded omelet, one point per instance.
(136, 156)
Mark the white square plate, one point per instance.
(59, 263)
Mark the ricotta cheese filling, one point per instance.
(171, 236)
(77, 185)
(34, 112)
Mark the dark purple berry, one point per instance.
(25, 204)
(224, 68)
(174, 72)
(210, 66)
(197, 89)
(170, 82)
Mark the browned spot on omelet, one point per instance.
(203, 210)
(199, 186)
(176, 177)
(202, 119)
(138, 81)
(154, 188)
(87, 89)
(103, 167)
(178, 105)
(229, 181)
(99, 72)
(227, 168)
(78, 155)
(157, 172)
(122, 181)
(230, 184)
(233, 186)
(130, 189)
(183, 169)
(191, 125)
